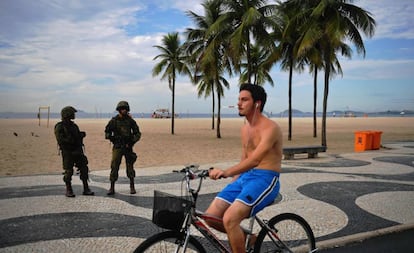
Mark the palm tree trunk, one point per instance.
(249, 61)
(315, 97)
(290, 100)
(325, 103)
(218, 116)
(214, 106)
(173, 105)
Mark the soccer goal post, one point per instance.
(48, 113)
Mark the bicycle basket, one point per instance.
(169, 210)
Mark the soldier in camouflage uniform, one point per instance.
(70, 141)
(123, 132)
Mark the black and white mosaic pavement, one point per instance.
(338, 195)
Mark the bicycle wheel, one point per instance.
(169, 241)
(290, 233)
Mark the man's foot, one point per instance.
(132, 186)
(111, 190)
(252, 242)
(88, 193)
(69, 191)
(133, 191)
(70, 194)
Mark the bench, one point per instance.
(312, 151)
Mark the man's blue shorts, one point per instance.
(256, 188)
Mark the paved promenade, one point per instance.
(344, 197)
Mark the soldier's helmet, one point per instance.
(68, 112)
(122, 105)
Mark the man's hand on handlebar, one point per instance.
(215, 173)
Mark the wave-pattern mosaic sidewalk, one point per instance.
(338, 195)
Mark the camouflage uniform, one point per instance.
(123, 132)
(70, 141)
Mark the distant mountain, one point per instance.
(297, 113)
(348, 113)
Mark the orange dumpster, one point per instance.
(363, 141)
(376, 139)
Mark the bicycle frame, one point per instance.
(271, 232)
(207, 233)
(196, 218)
(196, 221)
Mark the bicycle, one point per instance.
(286, 232)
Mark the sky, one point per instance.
(92, 54)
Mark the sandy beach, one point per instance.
(27, 148)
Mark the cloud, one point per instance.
(94, 53)
(378, 69)
(76, 50)
(394, 19)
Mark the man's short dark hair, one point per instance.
(257, 91)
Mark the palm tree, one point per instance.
(209, 55)
(259, 69)
(195, 46)
(314, 60)
(213, 64)
(250, 19)
(172, 61)
(332, 23)
(206, 87)
(312, 56)
(285, 33)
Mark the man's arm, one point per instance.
(109, 130)
(135, 132)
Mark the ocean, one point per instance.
(296, 114)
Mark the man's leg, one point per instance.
(68, 164)
(220, 204)
(115, 163)
(131, 176)
(82, 164)
(130, 158)
(232, 218)
(217, 209)
(257, 184)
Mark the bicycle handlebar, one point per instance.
(191, 173)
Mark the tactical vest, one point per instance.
(68, 135)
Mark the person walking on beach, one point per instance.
(70, 141)
(255, 181)
(123, 131)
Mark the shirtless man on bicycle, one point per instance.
(255, 182)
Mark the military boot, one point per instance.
(69, 191)
(112, 189)
(132, 186)
(86, 190)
